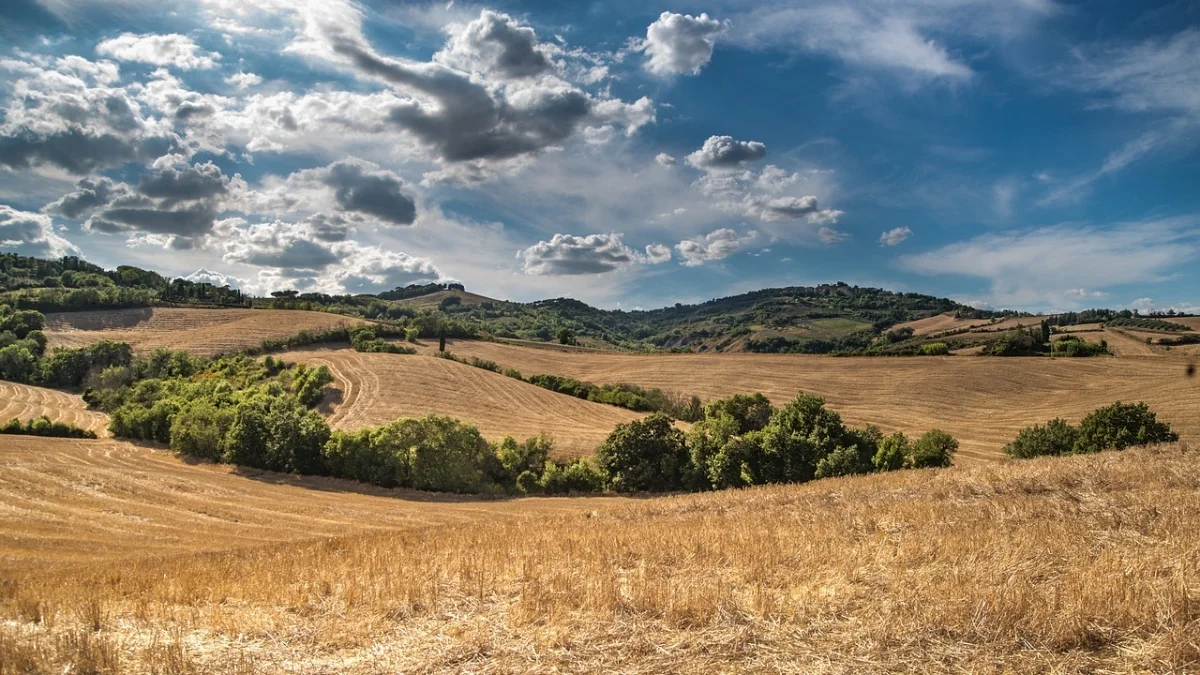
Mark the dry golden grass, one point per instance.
(26, 402)
(983, 402)
(201, 331)
(374, 389)
(67, 501)
(1071, 565)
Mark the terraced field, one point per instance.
(981, 401)
(201, 331)
(26, 402)
(375, 389)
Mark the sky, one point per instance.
(1032, 154)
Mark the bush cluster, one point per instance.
(366, 339)
(42, 426)
(1114, 427)
(743, 440)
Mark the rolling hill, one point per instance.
(374, 389)
(983, 402)
(200, 331)
(120, 558)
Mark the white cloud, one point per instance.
(680, 44)
(894, 236)
(31, 234)
(1040, 265)
(715, 245)
(568, 255)
(1084, 293)
(1143, 304)
(243, 81)
(664, 159)
(208, 276)
(723, 152)
(159, 50)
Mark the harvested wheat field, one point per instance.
(983, 402)
(1067, 565)
(25, 402)
(374, 389)
(201, 331)
(68, 501)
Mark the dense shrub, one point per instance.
(935, 349)
(933, 449)
(1056, 438)
(42, 426)
(1120, 426)
(893, 453)
(751, 412)
(645, 455)
(577, 476)
(308, 383)
(1074, 346)
(273, 431)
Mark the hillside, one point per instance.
(374, 389)
(983, 402)
(200, 331)
(1080, 564)
(26, 402)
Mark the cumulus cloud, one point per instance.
(567, 254)
(1084, 293)
(664, 159)
(243, 81)
(723, 152)
(790, 208)
(67, 115)
(159, 50)
(715, 245)
(371, 269)
(495, 43)
(680, 44)
(31, 234)
(461, 119)
(177, 203)
(89, 194)
(370, 191)
(894, 236)
(207, 276)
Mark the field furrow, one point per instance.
(26, 402)
(983, 402)
(380, 388)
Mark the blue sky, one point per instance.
(1036, 154)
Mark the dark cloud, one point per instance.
(190, 183)
(331, 228)
(296, 255)
(723, 152)
(373, 192)
(791, 208)
(76, 150)
(470, 122)
(190, 221)
(89, 194)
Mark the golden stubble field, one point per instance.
(1064, 565)
(374, 389)
(982, 401)
(200, 331)
(25, 402)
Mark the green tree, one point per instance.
(893, 453)
(751, 412)
(933, 449)
(1122, 425)
(1056, 438)
(17, 363)
(644, 455)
